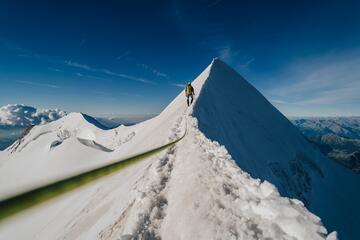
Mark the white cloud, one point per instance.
(247, 64)
(212, 4)
(92, 77)
(70, 63)
(55, 69)
(127, 53)
(322, 80)
(138, 79)
(278, 101)
(181, 85)
(19, 115)
(225, 53)
(153, 70)
(38, 84)
(79, 65)
(107, 72)
(321, 85)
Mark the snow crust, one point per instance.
(194, 190)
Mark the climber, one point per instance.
(189, 93)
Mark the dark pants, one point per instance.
(188, 96)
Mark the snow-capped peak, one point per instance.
(77, 119)
(265, 144)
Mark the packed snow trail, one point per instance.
(223, 202)
(194, 190)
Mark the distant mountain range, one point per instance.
(16, 118)
(115, 121)
(337, 137)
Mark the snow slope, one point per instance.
(194, 190)
(267, 146)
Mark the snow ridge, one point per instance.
(268, 146)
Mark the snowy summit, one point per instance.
(241, 171)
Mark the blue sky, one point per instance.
(128, 57)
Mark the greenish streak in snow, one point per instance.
(23, 201)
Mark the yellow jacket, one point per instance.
(189, 90)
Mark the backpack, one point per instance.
(189, 89)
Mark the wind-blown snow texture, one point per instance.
(194, 190)
(19, 115)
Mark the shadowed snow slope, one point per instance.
(267, 146)
(193, 190)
